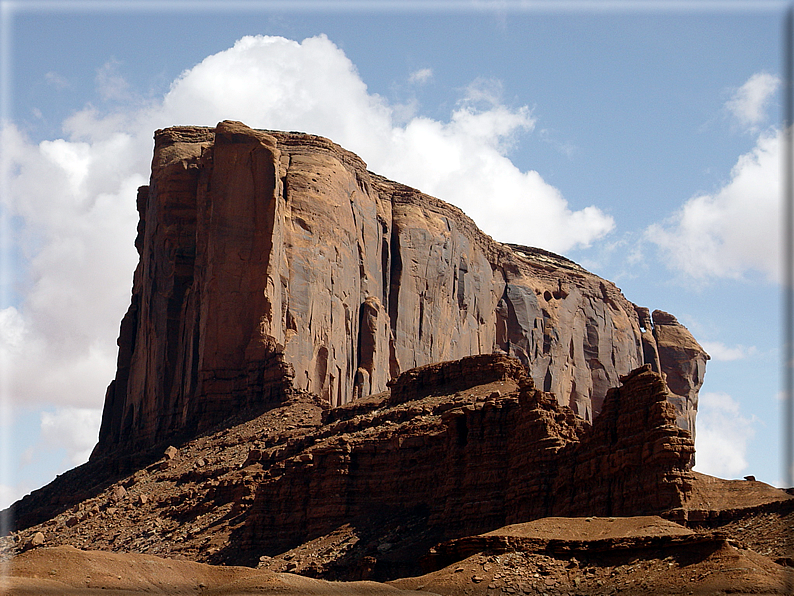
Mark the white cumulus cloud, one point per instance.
(78, 215)
(748, 104)
(272, 82)
(722, 353)
(723, 434)
(73, 429)
(737, 229)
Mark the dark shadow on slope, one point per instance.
(95, 476)
(380, 547)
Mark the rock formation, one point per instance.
(274, 262)
(359, 384)
(492, 456)
(452, 449)
(683, 363)
(375, 488)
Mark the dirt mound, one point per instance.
(593, 528)
(685, 567)
(715, 494)
(68, 570)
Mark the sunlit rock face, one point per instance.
(275, 262)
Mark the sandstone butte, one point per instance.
(275, 262)
(361, 385)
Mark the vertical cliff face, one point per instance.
(683, 363)
(272, 262)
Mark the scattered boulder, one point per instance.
(35, 541)
(254, 455)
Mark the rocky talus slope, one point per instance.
(453, 448)
(418, 481)
(274, 262)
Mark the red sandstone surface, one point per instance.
(384, 487)
(273, 262)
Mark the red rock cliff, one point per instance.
(467, 463)
(272, 262)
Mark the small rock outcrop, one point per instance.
(683, 363)
(274, 262)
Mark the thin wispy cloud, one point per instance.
(56, 80)
(110, 84)
(483, 91)
(421, 76)
(549, 136)
(749, 103)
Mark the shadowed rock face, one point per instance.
(274, 262)
(453, 449)
(516, 455)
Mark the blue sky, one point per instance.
(639, 139)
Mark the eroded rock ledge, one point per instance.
(475, 459)
(463, 448)
(274, 262)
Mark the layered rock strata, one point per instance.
(274, 262)
(487, 458)
(496, 542)
(367, 488)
